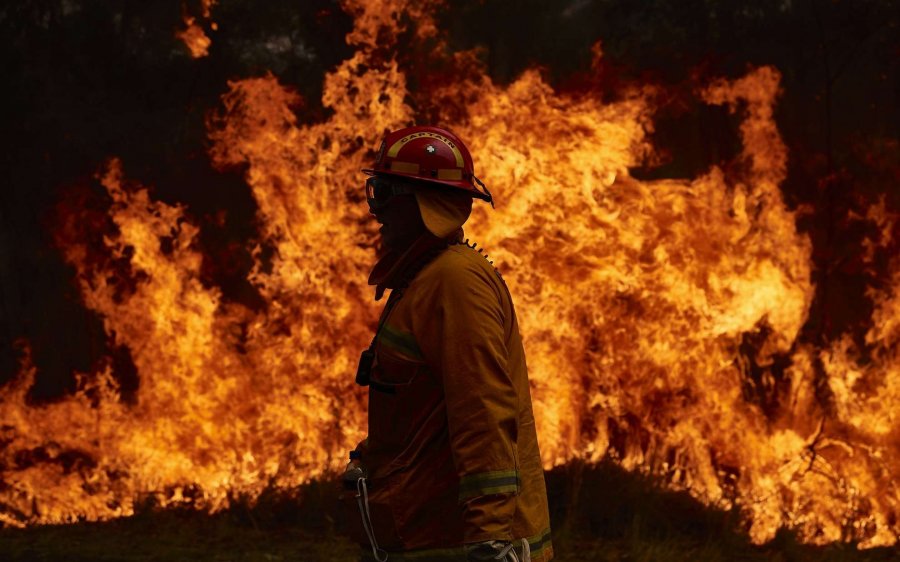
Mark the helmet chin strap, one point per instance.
(479, 183)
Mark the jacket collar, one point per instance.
(397, 268)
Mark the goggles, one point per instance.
(380, 191)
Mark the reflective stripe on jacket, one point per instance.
(452, 452)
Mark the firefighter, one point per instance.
(450, 470)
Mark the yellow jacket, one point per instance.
(452, 453)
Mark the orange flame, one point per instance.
(646, 308)
(193, 35)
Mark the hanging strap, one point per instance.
(508, 554)
(362, 500)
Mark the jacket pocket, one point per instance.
(401, 393)
(395, 370)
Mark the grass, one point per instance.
(601, 514)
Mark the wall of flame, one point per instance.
(637, 300)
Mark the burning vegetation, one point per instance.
(669, 322)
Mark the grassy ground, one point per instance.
(599, 514)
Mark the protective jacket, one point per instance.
(452, 453)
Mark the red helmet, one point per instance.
(429, 154)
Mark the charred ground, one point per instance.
(618, 516)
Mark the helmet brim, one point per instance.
(461, 185)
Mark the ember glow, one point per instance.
(652, 312)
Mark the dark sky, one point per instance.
(86, 80)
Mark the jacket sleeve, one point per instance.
(363, 448)
(461, 335)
